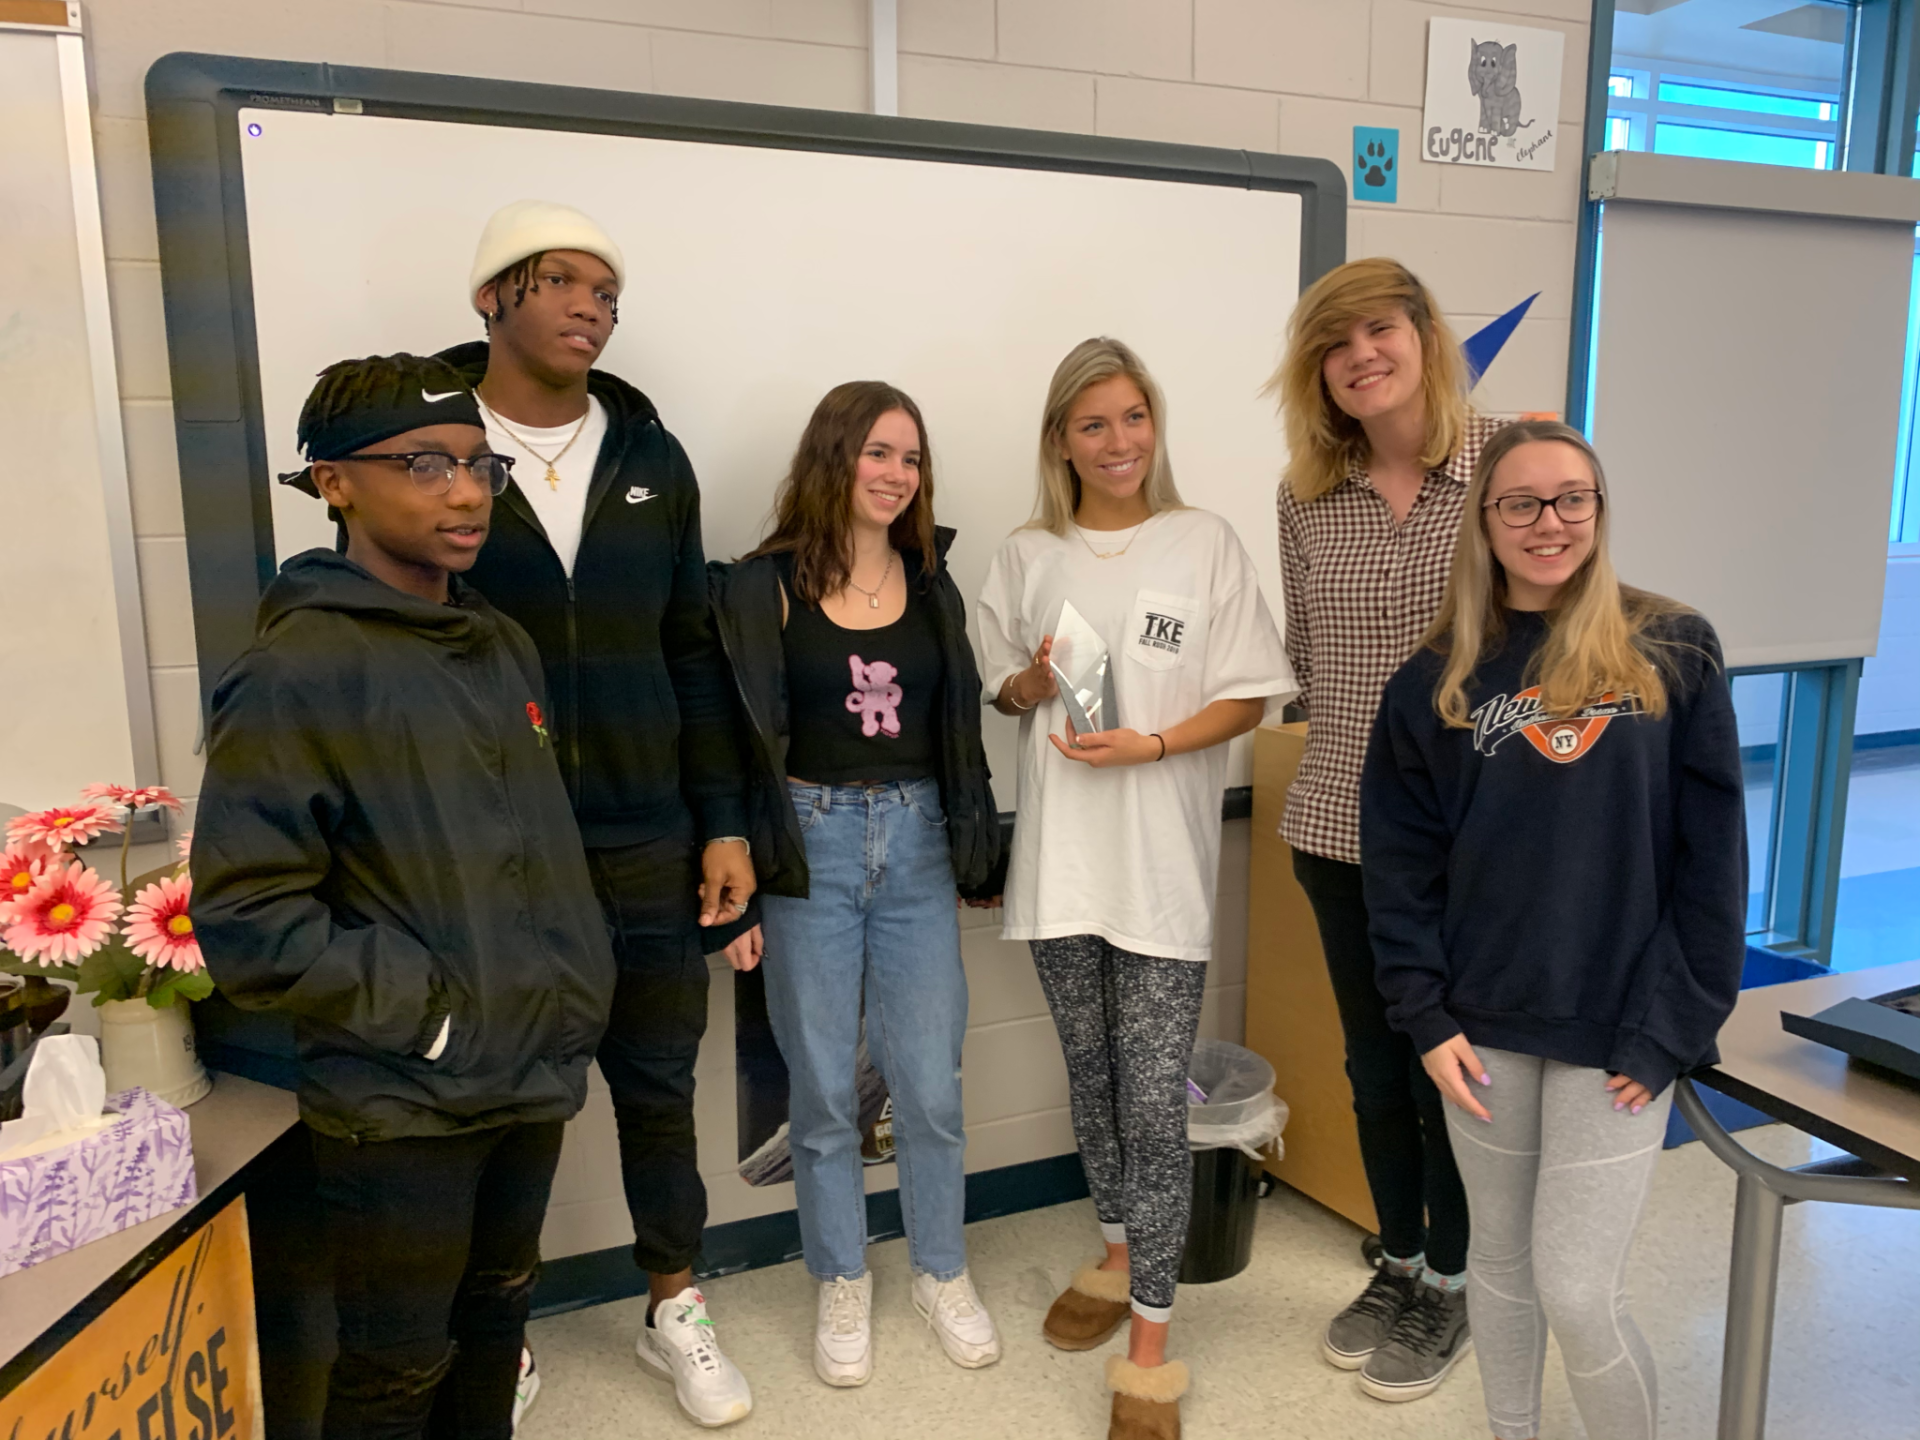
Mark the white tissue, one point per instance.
(62, 1101)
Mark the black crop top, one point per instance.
(860, 703)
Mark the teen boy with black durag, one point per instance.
(596, 550)
(385, 851)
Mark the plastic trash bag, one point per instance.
(1241, 1112)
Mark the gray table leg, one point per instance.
(1752, 1284)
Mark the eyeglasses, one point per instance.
(432, 470)
(1574, 507)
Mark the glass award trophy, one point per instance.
(1083, 668)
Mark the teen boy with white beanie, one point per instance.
(596, 551)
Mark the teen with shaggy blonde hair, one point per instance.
(1552, 820)
(1381, 442)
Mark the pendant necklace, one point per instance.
(873, 595)
(552, 476)
(1110, 554)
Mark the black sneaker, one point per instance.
(1362, 1328)
(1427, 1341)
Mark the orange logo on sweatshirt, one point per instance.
(1562, 741)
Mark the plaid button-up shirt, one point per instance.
(1361, 590)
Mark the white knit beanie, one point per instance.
(530, 227)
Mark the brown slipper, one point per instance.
(1095, 1303)
(1146, 1402)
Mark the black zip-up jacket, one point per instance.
(1574, 889)
(746, 608)
(643, 714)
(383, 843)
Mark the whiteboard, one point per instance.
(760, 277)
(1746, 400)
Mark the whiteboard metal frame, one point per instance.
(193, 102)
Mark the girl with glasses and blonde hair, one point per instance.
(1116, 848)
(1381, 442)
(1554, 840)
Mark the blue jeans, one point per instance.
(880, 917)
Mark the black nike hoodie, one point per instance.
(1573, 889)
(383, 842)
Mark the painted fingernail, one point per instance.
(1619, 1104)
(1638, 1108)
(1487, 1118)
(1485, 1079)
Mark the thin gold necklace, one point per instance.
(1109, 554)
(873, 595)
(552, 476)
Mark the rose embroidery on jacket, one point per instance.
(538, 722)
(875, 698)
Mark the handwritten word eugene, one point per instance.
(186, 1401)
(1459, 144)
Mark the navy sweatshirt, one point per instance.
(1569, 889)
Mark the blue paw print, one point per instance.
(1373, 165)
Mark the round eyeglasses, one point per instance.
(432, 470)
(1574, 507)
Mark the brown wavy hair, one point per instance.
(1324, 443)
(813, 508)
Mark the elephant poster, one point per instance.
(1493, 94)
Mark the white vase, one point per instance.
(151, 1048)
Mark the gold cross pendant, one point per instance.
(553, 478)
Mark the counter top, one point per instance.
(231, 1125)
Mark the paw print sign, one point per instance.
(1376, 162)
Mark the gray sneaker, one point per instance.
(1427, 1341)
(1362, 1328)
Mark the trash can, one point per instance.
(1228, 1132)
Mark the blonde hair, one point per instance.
(1324, 443)
(1598, 633)
(1087, 364)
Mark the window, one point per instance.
(1718, 120)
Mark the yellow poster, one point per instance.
(172, 1359)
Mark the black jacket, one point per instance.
(746, 607)
(383, 842)
(643, 717)
(1570, 889)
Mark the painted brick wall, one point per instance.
(1288, 75)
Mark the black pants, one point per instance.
(436, 1246)
(651, 896)
(1403, 1131)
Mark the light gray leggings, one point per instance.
(1556, 1186)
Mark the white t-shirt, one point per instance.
(563, 508)
(1131, 853)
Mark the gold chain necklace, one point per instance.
(552, 476)
(1110, 554)
(873, 595)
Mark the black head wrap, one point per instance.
(357, 403)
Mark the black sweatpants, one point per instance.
(435, 1245)
(1403, 1127)
(650, 893)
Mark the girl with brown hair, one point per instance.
(870, 804)
(1381, 442)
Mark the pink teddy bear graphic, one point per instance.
(875, 697)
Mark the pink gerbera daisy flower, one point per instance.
(185, 845)
(158, 928)
(18, 870)
(65, 917)
(144, 797)
(65, 825)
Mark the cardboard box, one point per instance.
(138, 1166)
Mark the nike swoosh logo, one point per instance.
(436, 399)
(638, 494)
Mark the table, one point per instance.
(42, 1306)
(1870, 1114)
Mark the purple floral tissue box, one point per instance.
(139, 1166)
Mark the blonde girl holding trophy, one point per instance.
(1116, 844)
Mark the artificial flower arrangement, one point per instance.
(61, 920)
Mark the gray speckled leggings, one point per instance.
(1126, 1025)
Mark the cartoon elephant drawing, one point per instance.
(875, 698)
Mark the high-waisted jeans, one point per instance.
(879, 921)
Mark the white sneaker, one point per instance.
(843, 1336)
(954, 1311)
(526, 1387)
(681, 1346)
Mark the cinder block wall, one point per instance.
(1292, 76)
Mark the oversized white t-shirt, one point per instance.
(562, 510)
(1131, 853)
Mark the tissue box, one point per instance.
(139, 1166)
